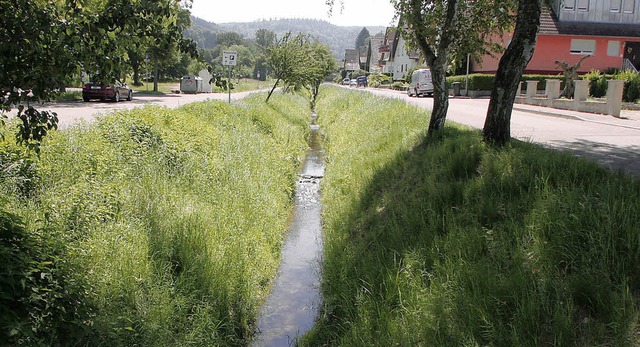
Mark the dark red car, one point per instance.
(114, 92)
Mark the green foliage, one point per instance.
(631, 86)
(485, 81)
(449, 242)
(376, 80)
(597, 83)
(299, 62)
(149, 227)
(37, 59)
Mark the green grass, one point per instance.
(150, 227)
(450, 242)
(244, 85)
(163, 88)
(163, 227)
(68, 96)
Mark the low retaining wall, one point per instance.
(551, 97)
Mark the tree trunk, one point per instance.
(497, 126)
(440, 98)
(272, 89)
(135, 65)
(155, 73)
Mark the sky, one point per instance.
(355, 12)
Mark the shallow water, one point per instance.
(292, 305)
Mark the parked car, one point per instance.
(345, 82)
(353, 83)
(421, 83)
(362, 81)
(114, 92)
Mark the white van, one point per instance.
(421, 83)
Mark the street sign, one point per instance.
(229, 58)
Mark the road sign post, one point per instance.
(229, 58)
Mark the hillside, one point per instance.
(338, 38)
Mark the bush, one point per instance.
(399, 86)
(597, 83)
(376, 80)
(631, 86)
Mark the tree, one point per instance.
(35, 60)
(63, 36)
(286, 59)
(362, 38)
(570, 74)
(319, 63)
(497, 126)
(442, 29)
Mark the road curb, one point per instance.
(566, 116)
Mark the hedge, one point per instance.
(485, 81)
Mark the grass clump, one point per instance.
(450, 242)
(149, 227)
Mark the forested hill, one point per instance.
(338, 38)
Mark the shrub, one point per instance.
(631, 86)
(597, 83)
(376, 80)
(399, 86)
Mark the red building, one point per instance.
(607, 30)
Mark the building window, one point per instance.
(583, 5)
(615, 5)
(583, 47)
(613, 48)
(628, 6)
(569, 4)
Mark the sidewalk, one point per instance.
(628, 118)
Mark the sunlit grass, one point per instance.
(174, 219)
(450, 242)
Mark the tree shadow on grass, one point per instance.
(454, 242)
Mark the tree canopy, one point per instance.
(298, 61)
(445, 29)
(46, 42)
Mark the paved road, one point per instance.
(71, 112)
(611, 141)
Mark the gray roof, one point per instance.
(550, 25)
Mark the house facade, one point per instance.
(402, 59)
(606, 30)
(386, 60)
(373, 53)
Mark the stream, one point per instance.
(292, 305)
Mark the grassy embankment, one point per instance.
(449, 242)
(153, 227)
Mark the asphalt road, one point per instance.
(71, 112)
(613, 142)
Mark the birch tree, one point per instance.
(497, 126)
(446, 29)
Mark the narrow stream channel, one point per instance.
(292, 305)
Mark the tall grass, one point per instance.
(164, 226)
(449, 242)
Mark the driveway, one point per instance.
(613, 142)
